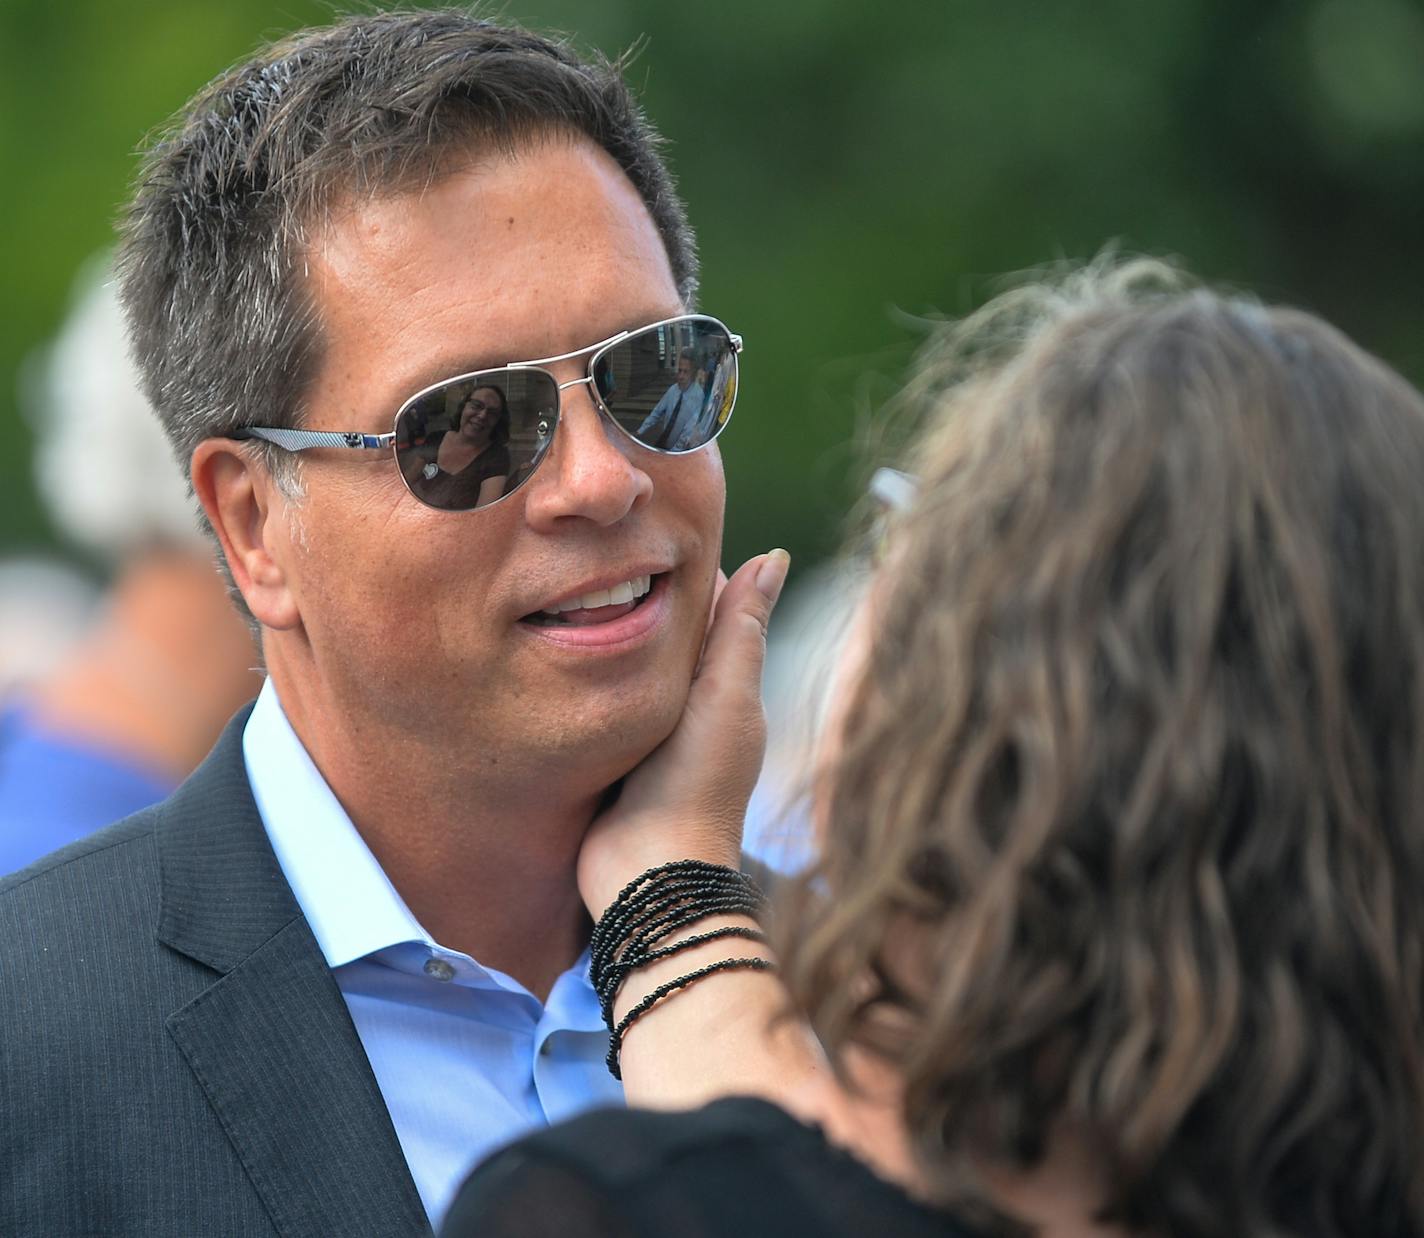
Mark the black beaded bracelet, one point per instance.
(615, 1039)
(662, 900)
(619, 971)
(635, 929)
(665, 889)
(612, 973)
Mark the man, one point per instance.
(674, 417)
(305, 993)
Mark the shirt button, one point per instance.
(439, 969)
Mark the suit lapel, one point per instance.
(271, 1041)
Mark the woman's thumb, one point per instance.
(770, 576)
(743, 612)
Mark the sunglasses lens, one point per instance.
(467, 443)
(671, 387)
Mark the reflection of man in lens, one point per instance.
(677, 411)
(471, 464)
(349, 957)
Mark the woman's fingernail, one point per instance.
(771, 575)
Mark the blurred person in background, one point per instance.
(128, 708)
(1116, 927)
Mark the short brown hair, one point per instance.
(1133, 776)
(210, 267)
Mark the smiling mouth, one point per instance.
(601, 606)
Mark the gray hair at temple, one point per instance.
(229, 198)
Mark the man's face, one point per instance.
(684, 372)
(429, 622)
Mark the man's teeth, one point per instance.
(616, 596)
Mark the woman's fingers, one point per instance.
(733, 643)
(689, 796)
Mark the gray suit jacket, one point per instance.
(175, 1055)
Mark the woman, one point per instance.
(1117, 928)
(472, 456)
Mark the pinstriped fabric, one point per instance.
(223, 893)
(175, 1057)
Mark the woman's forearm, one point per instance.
(728, 1033)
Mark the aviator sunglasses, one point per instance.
(669, 386)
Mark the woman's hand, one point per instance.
(723, 1035)
(688, 798)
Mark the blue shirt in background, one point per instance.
(55, 789)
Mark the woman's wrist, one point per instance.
(645, 979)
(654, 923)
(601, 877)
(708, 1038)
(686, 983)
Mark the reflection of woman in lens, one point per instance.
(471, 464)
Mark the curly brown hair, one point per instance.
(1124, 834)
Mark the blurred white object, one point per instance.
(803, 665)
(45, 608)
(893, 489)
(102, 461)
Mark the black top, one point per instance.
(737, 1168)
(461, 489)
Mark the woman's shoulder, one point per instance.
(737, 1166)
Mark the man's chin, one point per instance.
(605, 741)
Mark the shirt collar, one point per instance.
(353, 909)
(349, 901)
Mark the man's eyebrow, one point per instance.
(430, 375)
(456, 365)
(441, 370)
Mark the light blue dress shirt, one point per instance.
(466, 1057)
(682, 407)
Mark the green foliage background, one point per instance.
(849, 165)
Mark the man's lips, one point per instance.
(587, 616)
(612, 593)
(617, 624)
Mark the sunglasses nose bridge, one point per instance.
(586, 380)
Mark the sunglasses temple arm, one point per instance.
(305, 440)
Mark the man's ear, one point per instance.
(248, 514)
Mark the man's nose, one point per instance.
(592, 472)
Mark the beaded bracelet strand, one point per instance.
(619, 971)
(651, 908)
(608, 971)
(683, 892)
(662, 889)
(615, 1040)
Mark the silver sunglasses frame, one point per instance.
(306, 440)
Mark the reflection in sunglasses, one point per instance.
(669, 387)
